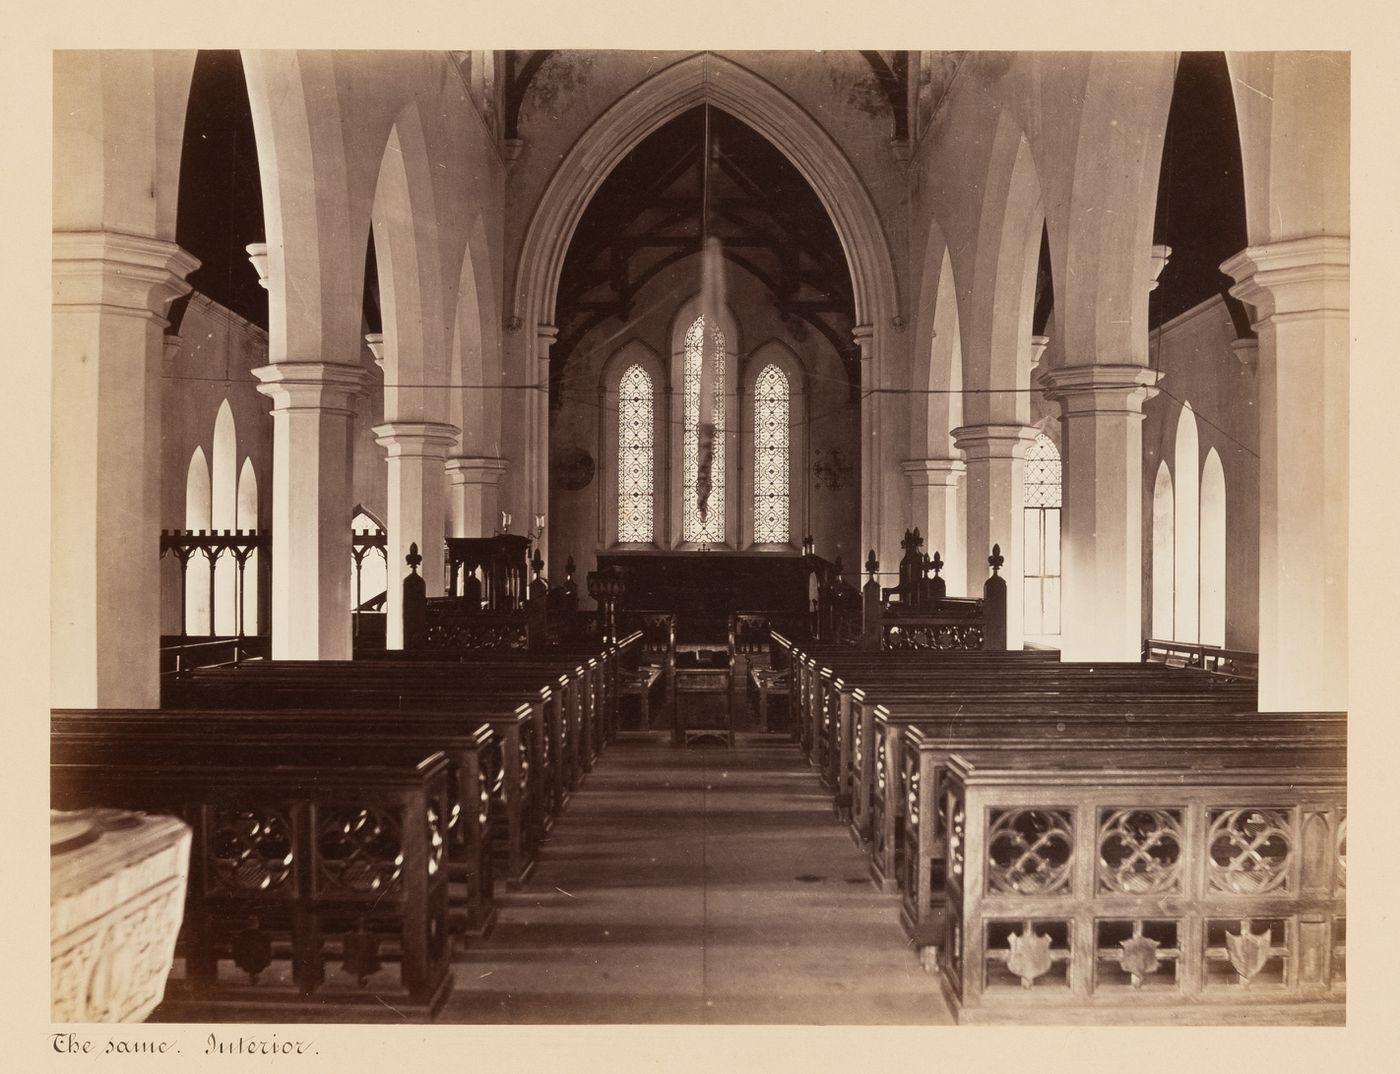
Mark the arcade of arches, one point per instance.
(928, 274)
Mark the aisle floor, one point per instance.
(699, 885)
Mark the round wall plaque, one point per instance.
(572, 469)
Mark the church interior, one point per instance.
(737, 537)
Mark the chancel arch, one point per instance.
(770, 112)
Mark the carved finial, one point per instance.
(995, 560)
(872, 565)
(413, 558)
(936, 563)
(537, 564)
(569, 567)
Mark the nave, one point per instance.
(708, 885)
(569, 391)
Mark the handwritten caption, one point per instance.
(69, 1043)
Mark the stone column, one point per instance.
(933, 494)
(312, 418)
(996, 465)
(1101, 528)
(416, 450)
(1299, 290)
(871, 529)
(537, 489)
(473, 501)
(110, 295)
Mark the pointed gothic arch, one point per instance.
(1212, 550)
(1186, 475)
(1163, 554)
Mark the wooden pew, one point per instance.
(1051, 920)
(1232, 663)
(569, 695)
(807, 660)
(566, 698)
(923, 872)
(751, 652)
(476, 779)
(877, 808)
(848, 718)
(336, 855)
(512, 722)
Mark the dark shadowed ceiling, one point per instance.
(646, 214)
(651, 211)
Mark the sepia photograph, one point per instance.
(741, 537)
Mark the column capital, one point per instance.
(864, 335)
(1038, 346)
(329, 387)
(1100, 389)
(476, 469)
(1159, 255)
(933, 472)
(375, 342)
(258, 255)
(415, 439)
(1304, 277)
(170, 349)
(1246, 352)
(998, 440)
(121, 272)
(545, 337)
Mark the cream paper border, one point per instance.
(1369, 1042)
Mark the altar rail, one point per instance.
(332, 857)
(1121, 885)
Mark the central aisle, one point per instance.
(691, 886)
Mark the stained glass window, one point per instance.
(634, 455)
(1042, 537)
(710, 529)
(770, 457)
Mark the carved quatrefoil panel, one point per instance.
(1140, 851)
(1249, 850)
(1029, 851)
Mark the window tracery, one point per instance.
(710, 529)
(635, 456)
(771, 435)
(1042, 498)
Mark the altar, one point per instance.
(705, 588)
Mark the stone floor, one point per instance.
(700, 885)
